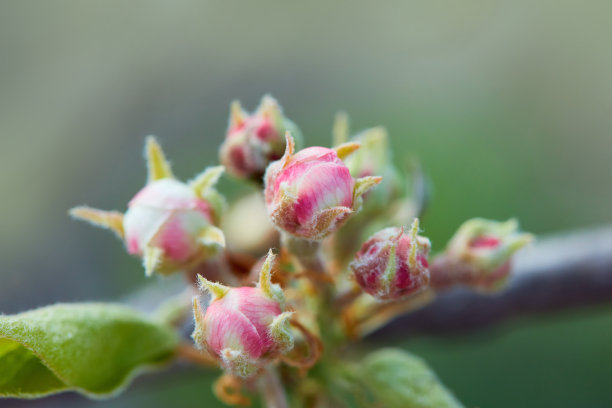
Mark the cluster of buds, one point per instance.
(254, 140)
(311, 193)
(307, 196)
(479, 255)
(398, 198)
(246, 327)
(169, 224)
(392, 265)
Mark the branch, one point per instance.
(558, 272)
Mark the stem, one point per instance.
(187, 352)
(344, 300)
(308, 253)
(272, 389)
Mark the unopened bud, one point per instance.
(479, 255)
(392, 265)
(254, 140)
(375, 158)
(310, 194)
(246, 327)
(170, 224)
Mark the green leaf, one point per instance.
(91, 348)
(396, 379)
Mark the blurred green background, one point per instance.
(508, 104)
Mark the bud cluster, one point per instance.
(326, 287)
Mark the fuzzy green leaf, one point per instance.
(396, 379)
(90, 348)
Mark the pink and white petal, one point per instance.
(259, 309)
(169, 194)
(226, 327)
(322, 187)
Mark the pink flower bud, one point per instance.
(245, 328)
(169, 224)
(479, 255)
(253, 141)
(167, 215)
(311, 193)
(392, 265)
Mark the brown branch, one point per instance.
(558, 272)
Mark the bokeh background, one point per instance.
(508, 105)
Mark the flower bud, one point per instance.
(311, 193)
(391, 264)
(253, 141)
(245, 327)
(372, 158)
(169, 224)
(479, 255)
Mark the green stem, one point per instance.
(308, 254)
